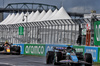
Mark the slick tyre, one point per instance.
(49, 57)
(58, 57)
(88, 58)
(17, 49)
(1, 48)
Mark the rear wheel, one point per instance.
(1, 48)
(88, 58)
(16, 49)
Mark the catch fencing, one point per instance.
(63, 31)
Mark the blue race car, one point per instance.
(69, 56)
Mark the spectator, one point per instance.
(79, 40)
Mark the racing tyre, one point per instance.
(88, 58)
(1, 48)
(58, 57)
(18, 50)
(49, 57)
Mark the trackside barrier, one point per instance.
(93, 51)
(21, 47)
(34, 49)
(98, 54)
(41, 49)
(79, 48)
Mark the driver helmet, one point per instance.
(6, 42)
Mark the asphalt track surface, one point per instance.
(23, 60)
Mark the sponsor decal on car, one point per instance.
(74, 58)
(8, 49)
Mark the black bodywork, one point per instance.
(63, 56)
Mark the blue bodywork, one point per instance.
(74, 58)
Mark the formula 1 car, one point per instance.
(69, 56)
(9, 48)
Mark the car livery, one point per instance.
(68, 55)
(9, 49)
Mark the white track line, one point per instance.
(7, 64)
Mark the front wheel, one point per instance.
(57, 58)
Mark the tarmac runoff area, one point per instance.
(24, 60)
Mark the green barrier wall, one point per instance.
(34, 49)
(40, 50)
(79, 48)
(98, 54)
